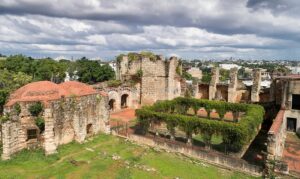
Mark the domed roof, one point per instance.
(45, 91)
(77, 88)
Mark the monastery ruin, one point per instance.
(71, 111)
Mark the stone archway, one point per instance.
(124, 101)
(112, 104)
(114, 101)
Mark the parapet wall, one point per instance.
(276, 136)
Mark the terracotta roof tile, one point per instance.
(45, 91)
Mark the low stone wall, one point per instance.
(208, 156)
(276, 136)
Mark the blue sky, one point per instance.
(249, 29)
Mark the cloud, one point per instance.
(189, 28)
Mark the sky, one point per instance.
(190, 29)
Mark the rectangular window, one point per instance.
(31, 134)
(296, 101)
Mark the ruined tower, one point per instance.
(256, 85)
(213, 83)
(232, 93)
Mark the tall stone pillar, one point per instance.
(284, 94)
(256, 85)
(10, 140)
(213, 83)
(232, 85)
(171, 83)
(49, 145)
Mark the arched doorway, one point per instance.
(124, 99)
(112, 105)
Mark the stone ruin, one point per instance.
(71, 111)
(159, 78)
(234, 91)
(255, 90)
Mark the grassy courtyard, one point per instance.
(108, 157)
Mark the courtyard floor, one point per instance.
(107, 156)
(291, 152)
(125, 115)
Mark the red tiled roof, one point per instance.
(277, 122)
(45, 91)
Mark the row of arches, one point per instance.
(116, 102)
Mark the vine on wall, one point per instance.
(175, 114)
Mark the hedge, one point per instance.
(174, 114)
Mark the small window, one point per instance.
(296, 101)
(31, 134)
(291, 124)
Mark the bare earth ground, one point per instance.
(291, 152)
(126, 115)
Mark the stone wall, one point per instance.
(159, 80)
(276, 136)
(213, 83)
(255, 90)
(232, 88)
(208, 156)
(66, 120)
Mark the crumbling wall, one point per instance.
(159, 79)
(213, 83)
(72, 115)
(232, 88)
(276, 136)
(203, 91)
(14, 131)
(154, 81)
(255, 90)
(65, 120)
(10, 139)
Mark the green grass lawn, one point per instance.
(94, 159)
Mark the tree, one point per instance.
(92, 72)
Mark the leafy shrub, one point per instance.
(17, 109)
(36, 108)
(4, 118)
(174, 113)
(114, 83)
(40, 122)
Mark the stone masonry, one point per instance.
(159, 80)
(255, 90)
(213, 83)
(232, 88)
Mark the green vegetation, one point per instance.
(40, 122)
(132, 56)
(36, 109)
(92, 72)
(17, 109)
(18, 70)
(175, 114)
(94, 160)
(114, 83)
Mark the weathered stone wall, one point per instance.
(208, 156)
(65, 120)
(203, 91)
(232, 88)
(222, 92)
(213, 83)
(159, 80)
(276, 136)
(255, 90)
